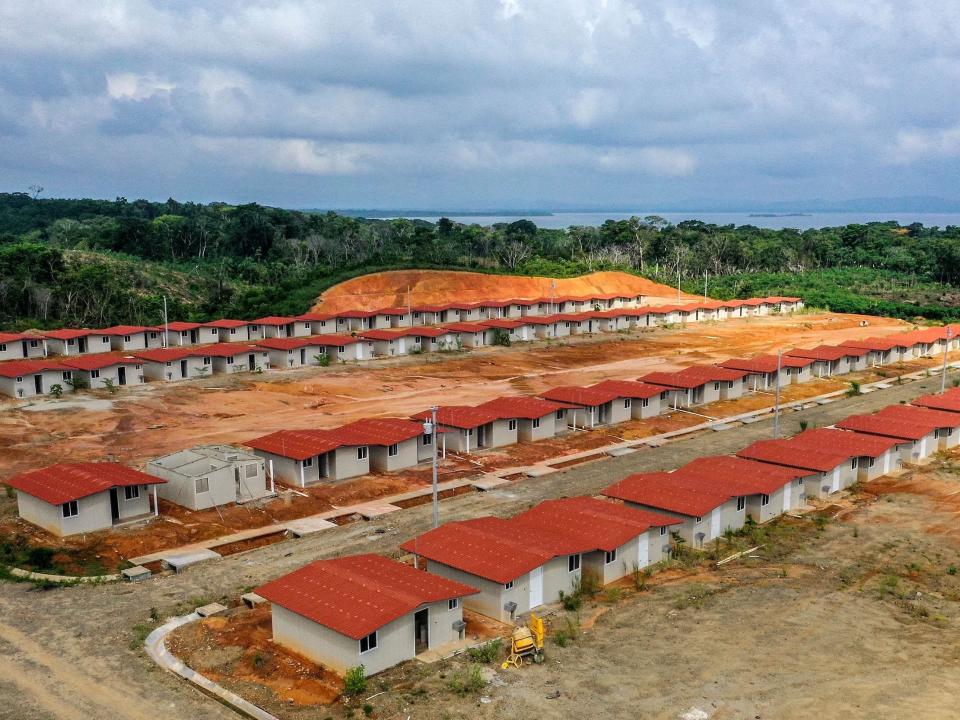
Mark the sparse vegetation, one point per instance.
(355, 680)
(467, 680)
(488, 652)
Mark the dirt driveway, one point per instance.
(68, 651)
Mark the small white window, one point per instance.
(207, 360)
(362, 452)
(183, 333)
(3, 347)
(453, 603)
(428, 439)
(699, 519)
(19, 378)
(341, 349)
(508, 586)
(573, 563)
(853, 463)
(34, 343)
(67, 374)
(131, 492)
(393, 450)
(511, 424)
(105, 340)
(202, 484)
(308, 462)
(764, 499)
(70, 509)
(627, 403)
(730, 384)
(560, 414)
(716, 386)
(306, 326)
(251, 471)
(94, 374)
(535, 423)
(611, 556)
(741, 503)
(871, 462)
(233, 331)
(126, 338)
(663, 530)
(368, 643)
(645, 402)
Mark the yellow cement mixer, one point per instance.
(526, 642)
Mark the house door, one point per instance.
(787, 496)
(252, 361)
(303, 356)
(38, 384)
(122, 375)
(23, 345)
(643, 551)
(715, 523)
(194, 337)
(81, 345)
(481, 436)
(536, 587)
(421, 630)
(835, 485)
(114, 505)
(183, 368)
(236, 482)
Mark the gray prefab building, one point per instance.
(211, 475)
(406, 612)
(30, 378)
(76, 498)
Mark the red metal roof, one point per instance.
(338, 340)
(13, 337)
(504, 323)
(582, 396)
(598, 524)
(69, 334)
(17, 368)
(921, 416)
(178, 326)
(227, 324)
(660, 490)
(713, 373)
(379, 431)
(62, 483)
(674, 379)
(225, 349)
(521, 406)
(765, 363)
(287, 343)
(949, 400)
(884, 426)
(358, 594)
(314, 317)
(828, 353)
(629, 388)
(295, 444)
(473, 327)
(738, 476)
(486, 549)
(166, 354)
(98, 361)
(391, 334)
(874, 343)
(460, 416)
(791, 454)
(273, 320)
(124, 330)
(841, 441)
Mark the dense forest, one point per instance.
(100, 262)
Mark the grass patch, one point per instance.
(467, 680)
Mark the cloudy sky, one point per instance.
(480, 104)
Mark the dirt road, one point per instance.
(81, 636)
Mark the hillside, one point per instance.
(424, 287)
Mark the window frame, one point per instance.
(610, 556)
(453, 603)
(573, 562)
(508, 585)
(131, 492)
(362, 452)
(371, 641)
(201, 482)
(69, 509)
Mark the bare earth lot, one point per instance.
(833, 629)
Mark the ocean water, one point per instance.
(800, 222)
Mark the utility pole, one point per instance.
(678, 281)
(704, 284)
(946, 347)
(166, 323)
(430, 428)
(776, 398)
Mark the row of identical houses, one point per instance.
(32, 365)
(504, 568)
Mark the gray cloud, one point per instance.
(480, 103)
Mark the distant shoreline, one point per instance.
(772, 215)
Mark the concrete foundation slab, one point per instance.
(489, 481)
(308, 526)
(137, 572)
(750, 420)
(538, 471)
(251, 599)
(211, 609)
(178, 561)
(720, 427)
(617, 452)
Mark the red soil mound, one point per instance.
(398, 288)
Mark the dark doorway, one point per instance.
(38, 384)
(421, 631)
(26, 352)
(194, 337)
(183, 368)
(81, 345)
(252, 361)
(122, 375)
(114, 505)
(303, 356)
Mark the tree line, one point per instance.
(90, 262)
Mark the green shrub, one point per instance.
(368, 709)
(322, 360)
(56, 390)
(40, 558)
(501, 337)
(487, 653)
(355, 680)
(467, 680)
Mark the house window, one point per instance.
(535, 423)
(854, 463)
(341, 349)
(764, 499)
(3, 347)
(202, 484)
(368, 643)
(362, 452)
(741, 503)
(70, 509)
(183, 333)
(699, 520)
(453, 603)
(611, 556)
(34, 343)
(251, 471)
(207, 360)
(573, 563)
(468, 433)
(716, 386)
(131, 492)
(105, 340)
(663, 395)
(94, 374)
(871, 462)
(308, 462)
(663, 530)
(153, 335)
(627, 403)
(306, 326)
(19, 378)
(233, 331)
(560, 414)
(511, 424)
(393, 450)
(428, 439)
(730, 384)
(67, 375)
(508, 586)
(126, 338)
(645, 402)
